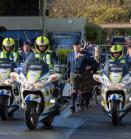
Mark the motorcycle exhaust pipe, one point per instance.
(128, 109)
(54, 112)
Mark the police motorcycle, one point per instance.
(40, 98)
(115, 95)
(8, 89)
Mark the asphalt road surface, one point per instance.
(90, 124)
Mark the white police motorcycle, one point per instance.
(7, 89)
(40, 98)
(115, 95)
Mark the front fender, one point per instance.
(33, 97)
(4, 92)
(114, 97)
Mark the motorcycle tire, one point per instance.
(31, 115)
(115, 113)
(4, 108)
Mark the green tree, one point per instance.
(98, 11)
(95, 33)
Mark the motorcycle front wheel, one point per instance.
(115, 112)
(4, 107)
(31, 114)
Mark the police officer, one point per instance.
(8, 49)
(43, 52)
(116, 62)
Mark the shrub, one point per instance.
(95, 33)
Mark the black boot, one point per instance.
(87, 98)
(73, 98)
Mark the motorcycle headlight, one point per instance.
(1, 81)
(120, 86)
(8, 81)
(108, 84)
(123, 84)
(28, 86)
(35, 86)
(39, 84)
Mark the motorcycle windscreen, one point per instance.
(33, 76)
(115, 77)
(4, 73)
(5, 68)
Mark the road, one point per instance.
(90, 124)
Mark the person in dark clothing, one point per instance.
(88, 68)
(76, 62)
(128, 56)
(26, 52)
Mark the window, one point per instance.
(64, 39)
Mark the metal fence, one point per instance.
(104, 47)
(63, 50)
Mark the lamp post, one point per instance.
(43, 7)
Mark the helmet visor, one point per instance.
(41, 48)
(116, 54)
(8, 48)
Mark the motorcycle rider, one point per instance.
(43, 53)
(8, 51)
(116, 63)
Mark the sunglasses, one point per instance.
(8, 46)
(42, 46)
(116, 53)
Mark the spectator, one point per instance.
(129, 55)
(26, 52)
(76, 62)
(99, 57)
